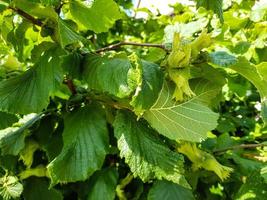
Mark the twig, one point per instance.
(137, 6)
(71, 86)
(27, 16)
(117, 45)
(120, 188)
(241, 146)
(58, 8)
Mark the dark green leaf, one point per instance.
(214, 5)
(103, 185)
(253, 188)
(147, 93)
(38, 188)
(115, 76)
(65, 35)
(7, 119)
(264, 173)
(85, 139)
(12, 138)
(145, 153)
(165, 190)
(33, 88)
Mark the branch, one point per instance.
(27, 16)
(241, 146)
(137, 6)
(117, 45)
(71, 86)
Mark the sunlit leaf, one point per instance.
(190, 120)
(99, 17)
(145, 153)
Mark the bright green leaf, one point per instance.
(165, 190)
(99, 17)
(145, 153)
(189, 121)
(103, 184)
(26, 154)
(200, 86)
(85, 140)
(39, 171)
(257, 75)
(35, 9)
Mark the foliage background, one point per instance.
(82, 122)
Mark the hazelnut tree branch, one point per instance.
(241, 146)
(123, 43)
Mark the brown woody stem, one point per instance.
(241, 146)
(71, 86)
(27, 16)
(117, 45)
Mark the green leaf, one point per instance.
(253, 188)
(105, 181)
(38, 188)
(26, 154)
(145, 153)
(245, 165)
(222, 59)
(186, 30)
(65, 34)
(35, 9)
(201, 86)
(49, 138)
(39, 171)
(7, 119)
(72, 65)
(214, 5)
(257, 75)
(10, 187)
(115, 76)
(147, 93)
(264, 173)
(12, 138)
(99, 17)
(32, 88)
(165, 190)
(85, 139)
(189, 121)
